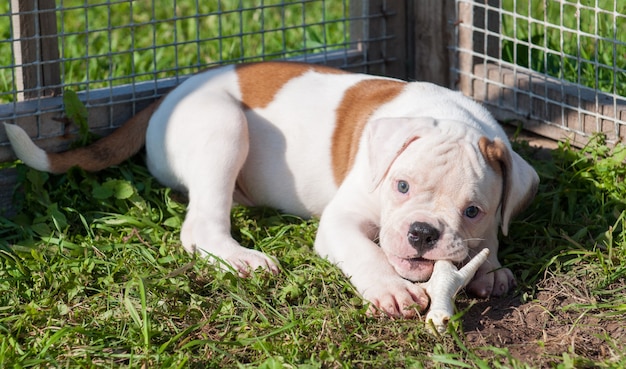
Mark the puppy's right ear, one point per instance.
(387, 138)
(520, 180)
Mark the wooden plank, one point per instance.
(8, 178)
(385, 38)
(397, 63)
(433, 30)
(36, 48)
(358, 27)
(548, 106)
(465, 47)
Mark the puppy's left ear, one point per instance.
(388, 137)
(519, 179)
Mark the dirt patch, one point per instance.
(562, 318)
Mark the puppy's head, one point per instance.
(444, 189)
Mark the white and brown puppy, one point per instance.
(402, 174)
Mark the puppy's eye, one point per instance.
(403, 186)
(472, 212)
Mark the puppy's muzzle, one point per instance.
(422, 236)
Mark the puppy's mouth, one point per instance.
(419, 262)
(414, 268)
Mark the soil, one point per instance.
(541, 330)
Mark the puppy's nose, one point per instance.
(422, 236)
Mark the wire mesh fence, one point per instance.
(120, 55)
(111, 43)
(559, 66)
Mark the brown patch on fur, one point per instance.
(113, 149)
(495, 153)
(499, 159)
(356, 107)
(260, 82)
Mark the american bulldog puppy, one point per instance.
(402, 174)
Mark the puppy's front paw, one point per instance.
(246, 261)
(492, 283)
(396, 297)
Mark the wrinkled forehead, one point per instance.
(447, 176)
(443, 153)
(453, 171)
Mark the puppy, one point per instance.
(402, 174)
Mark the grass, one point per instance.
(578, 218)
(93, 275)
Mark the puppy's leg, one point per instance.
(345, 238)
(208, 145)
(492, 279)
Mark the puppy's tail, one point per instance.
(113, 149)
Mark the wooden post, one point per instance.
(465, 45)
(358, 30)
(36, 48)
(433, 29)
(381, 31)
